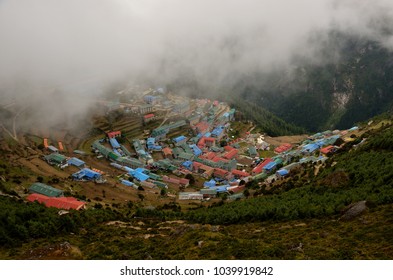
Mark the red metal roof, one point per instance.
(231, 154)
(202, 127)
(149, 116)
(198, 165)
(57, 202)
(184, 181)
(218, 159)
(237, 189)
(203, 140)
(114, 134)
(240, 173)
(259, 167)
(283, 148)
(228, 148)
(327, 149)
(220, 172)
(209, 155)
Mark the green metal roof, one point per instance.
(261, 176)
(45, 190)
(154, 176)
(101, 148)
(278, 161)
(236, 196)
(208, 191)
(56, 158)
(130, 161)
(252, 150)
(186, 156)
(113, 156)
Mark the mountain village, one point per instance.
(188, 150)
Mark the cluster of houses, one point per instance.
(202, 154)
(199, 154)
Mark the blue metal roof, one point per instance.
(86, 172)
(128, 169)
(114, 143)
(187, 164)
(210, 184)
(218, 131)
(270, 166)
(127, 183)
(139, 175)
(222, 188)
(283, 172)
(196, 150)
(155, 148)
(151, 141)
(141, 170)
(179, 138)
(76, 162)
(310, 147)
(116, 165)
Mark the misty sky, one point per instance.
(79, 46)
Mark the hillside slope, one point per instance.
(311, 215)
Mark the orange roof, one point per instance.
(167, 151)
(61, 148)
(46, 143)
(99, 171)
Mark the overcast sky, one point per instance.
(68, 44)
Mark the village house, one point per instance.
(43, 189)
(66, 203)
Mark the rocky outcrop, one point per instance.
(354, 210)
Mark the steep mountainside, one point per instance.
(354, 83)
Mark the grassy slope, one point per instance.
(368, 237)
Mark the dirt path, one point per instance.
(277, 141)
(42, 168)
